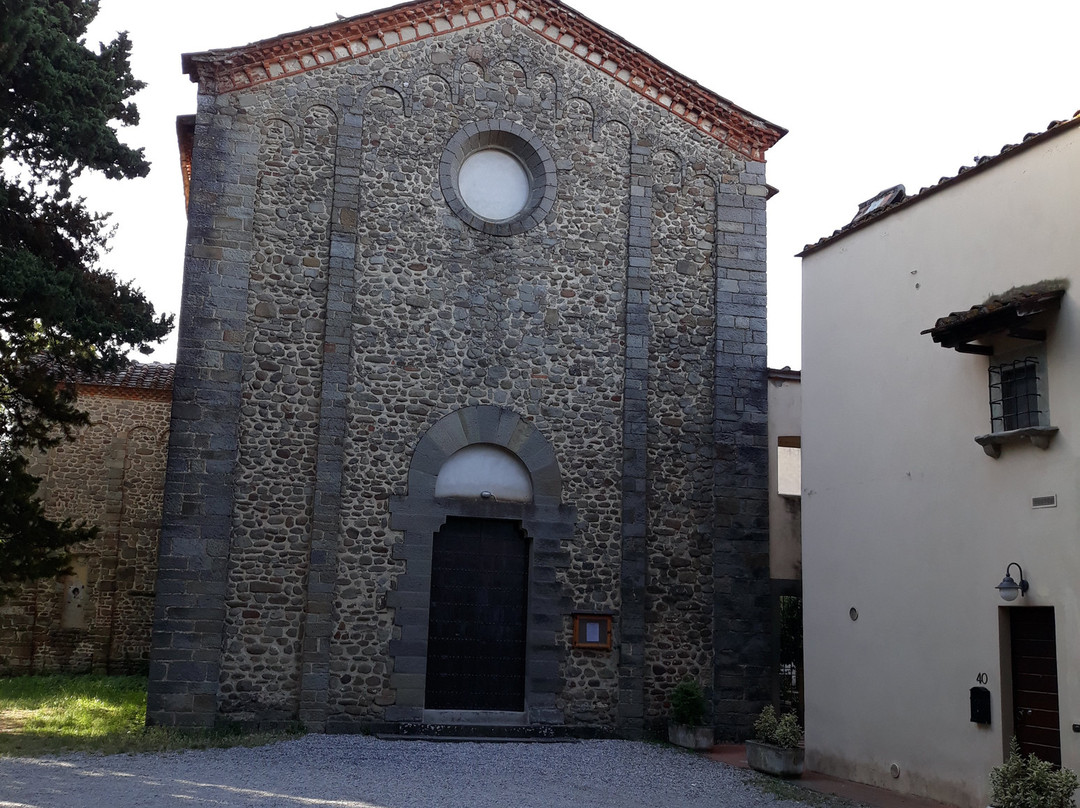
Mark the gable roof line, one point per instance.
(981, 164)
(232, 69)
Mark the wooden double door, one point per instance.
(477, 616)
(1036, 723)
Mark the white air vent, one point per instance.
(1044, 502)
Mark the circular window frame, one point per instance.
(517, 141)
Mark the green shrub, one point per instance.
(688, 704)
(784, 731)
(788, 732)
(765, 726)
(1028, 782)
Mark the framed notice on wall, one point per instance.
(592, 631)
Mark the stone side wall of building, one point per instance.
(112, 476)
(357, 310)
(682, 344)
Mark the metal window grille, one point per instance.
(1014, 395)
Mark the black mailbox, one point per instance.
(980, 705)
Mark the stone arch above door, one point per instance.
(546, 520)
(491, 425)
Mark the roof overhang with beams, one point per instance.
(1010, 313)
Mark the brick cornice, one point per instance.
(223, 71)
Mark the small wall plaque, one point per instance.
(592, 631)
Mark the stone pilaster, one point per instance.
(322, 562)
(741, 549)
(631, 710)
(185, 653)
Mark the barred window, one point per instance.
(1015, 399)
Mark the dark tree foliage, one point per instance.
(22, 514)
(61, 313)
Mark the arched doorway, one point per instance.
(478, 606)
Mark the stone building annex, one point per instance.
(469, 417)
(98, 617)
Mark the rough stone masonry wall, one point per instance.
(316, 208)
(279, 417)
(680, 437)
(451, 317)
(112, 476)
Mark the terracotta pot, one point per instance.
(775, 760)
(690, 737)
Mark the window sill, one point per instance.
(1035, 435)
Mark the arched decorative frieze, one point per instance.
(144, 468)
(614, 124)
(320, 123)
(545, 91)
(579, 116)
(382, 108)
(430, 92)
(509, 83)
(615, 137)
(468, 78)
(704, 180)
(508, 72)
(312, 49)
(383, 96)
(667, 170)
(278, 135)
(703, 187)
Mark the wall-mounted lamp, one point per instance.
(1009, 588)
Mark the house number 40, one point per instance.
(982, 678)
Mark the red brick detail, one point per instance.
(185, 136)
(231, 70)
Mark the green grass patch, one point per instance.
(45, 715)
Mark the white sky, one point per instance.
(873, 94)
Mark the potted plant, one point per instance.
(777, 745)
(1028, 782)
(687, 726)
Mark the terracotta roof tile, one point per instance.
(148, 376)
(997, 313)
(863, 218)
(231, 69)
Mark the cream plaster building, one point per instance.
(785, 487)
(942, 437)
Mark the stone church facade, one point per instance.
(469, 423)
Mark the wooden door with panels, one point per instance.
(1036, 722)
(477, 614)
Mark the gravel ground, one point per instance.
(352, 771)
